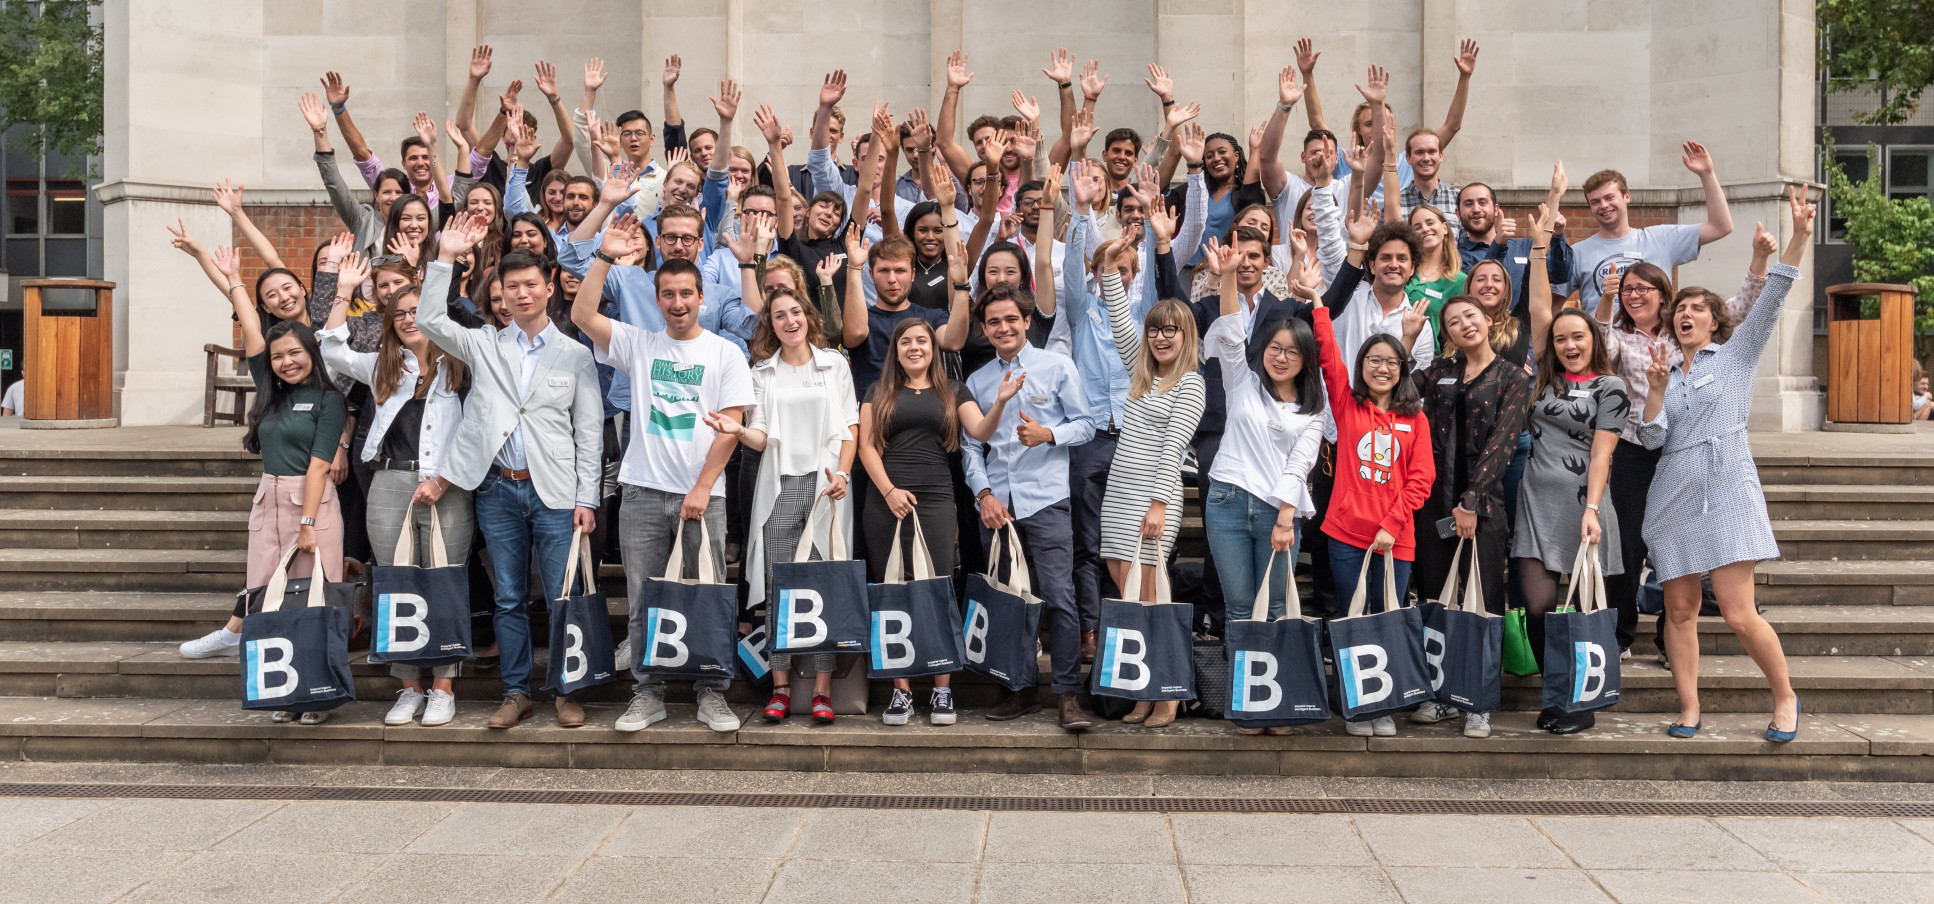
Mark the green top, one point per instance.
(309, 425)
(1438, 291)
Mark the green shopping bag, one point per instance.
(1518, 658)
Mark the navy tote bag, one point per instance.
(422, 614)
(296, 658)
(1276, 675)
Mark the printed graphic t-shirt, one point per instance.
(686, 379)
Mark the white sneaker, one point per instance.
(441, 709)
(1384, 727)
(1624, 654)
(713, 711)
(208, 645)
(622, 658)
(1433, 713)
(1358, 729)
(1477, 725)
(409, 702)
(645, 709)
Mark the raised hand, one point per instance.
(833, 88)
(1416, 316)
(957, 74)
(957, 262)
(1219, 258)
(228, 197)
(1696, 158)
(993, 149)
(1466, 58)
(1009, 228)
(593, 74)
(746, 243)
(1175, 116)
(408, 250)
(857, 246)
(1010, 385)
(1161, 222)
(1801, 210)
(1609, 288)
(463, 146)
(1298, 244)
(1092, 81)
(479, 62)
(1559, 182)
(604, 137)
(312, 112)
(676, 156)
(508, 99)
(624, 237)
(334, 88)
(425, 128)
(1363, 221)
(337, 249)
(1051, 182)
(1026, 106)
(522, 141)
(1658, 374)
(1159, 82)
(619, 186)
(1306, 54)
(229, 262)
(673, 65)
(943, 184)
(1540, 226)
(919, 130)
(1507, 228)
(181, 240)
(1060, 68)
(1085, 180)
(1255, 142)
(768, 124)
(727, 102)
(353, 270)
(460, 234)
(1082, 128)
(883, 121)
(828, 268)
(546, 80)
(1358, 158)
(1287, 90)
(1193, 139)
(1379, 87)
(1765, 244)
(1026, 140)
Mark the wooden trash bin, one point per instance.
(1870, 360)
(69, 361)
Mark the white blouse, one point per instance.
(1268, 447)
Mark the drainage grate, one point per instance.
(1718, 808)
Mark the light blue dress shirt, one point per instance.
(512, 454)
(1103, 378)
(1027, 479)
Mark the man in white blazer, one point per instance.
(529, 446)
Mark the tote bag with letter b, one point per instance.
(1001, 630)
(1276, 675)
(691, 627)
(1144, 651)
(916, 626)
(296, 658)
(1379, 658)
(581, 652)
(1463, 643)
(1581, 643)
(819, 606)
(422, 614)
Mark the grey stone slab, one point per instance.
(666, 780)
(411, 777)
(1408, 788)
(75, 877)
(1748, 791)
(71, 717)
(1891, 735)
(1568, 789)
(238, 774)
(471, 724)
(1921, 827)
(1835, 845)
(1889, 791)
(1489, 886)
(1276, 884)
(1649, 842)
(339, 827)
(1213, 734)
(1442, 841)
(671, 880)
(1664, 886)
(156, 825)
(1081, 883)
(867, 731)
(922, 784)
(462, 878)
(1109, 785)
(1871, 888)
(944, 836)
(1291, 787)
(1267, 840)
(68, 656)
(705, 832)
(525, 828)
(1627, 733)
(864, 882)
(362, 720)
(1079, 838)
(22, 819)
(242, 878)
(82, 773)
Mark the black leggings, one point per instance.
(1540, 587)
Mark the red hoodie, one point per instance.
(1384, 467)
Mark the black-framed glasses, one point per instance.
(401, 313)
(1165, 331)
(670, 239)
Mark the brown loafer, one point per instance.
(570, 713)
(1088, 640)
(1013, 706)
(516, 708)
(1072, 716)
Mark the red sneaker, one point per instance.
(779, 708)
(822, 709)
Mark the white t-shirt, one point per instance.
(795, 403)
(686, 380)
(1665, 246)
(15, 397)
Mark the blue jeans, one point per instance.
(513, 521)
(1239, 527)
(1347, 561)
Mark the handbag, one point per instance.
(1581, 642)
(1001, 628)
(690, 627)
(1276, 667)
(296, 658)
(819, 606)
(1463, 643)
(1144, 651)
(1210, 657)
(1379, 658)
(581, 652)
(422, 614)
(916, 626)
(851, 688)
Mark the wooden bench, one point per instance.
(236, 381)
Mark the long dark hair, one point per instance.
(262, 311)
(1404, 397)
(427, 251)
(893, 378)
(1549, 368)
(919, 210)
(550, 239)
(1020, 254)
(1309, 380)
(1504, 323)
(277, 395)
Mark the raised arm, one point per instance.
(615, 191)
(1060, 71)
(508, 108)
(1306, 55)
(854, 322)
(1195, 198)
(1454, 119)
(1127, 331)
(1269, 153)
(228, 197)
(1044, 288)
(673, 118)
(888, 134)
(337, 92)
(1719, 215)
(594, 76)
(228, 264)
(1378, 153)
(1757, 326)
(953, 336)
(768, 126)
(957, 158)
(1538, 289)
(625, 237)
(467, 101)
(566, 142)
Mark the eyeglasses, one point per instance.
(1166, 331)
(401, 313)
(1283, 351)
(667, 238)
(1382, 363)
(385, 259)
(635, 134)
(1638, 289)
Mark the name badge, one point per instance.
(559, 381)
(1447, 381)
(1403, 427)
(1580, 394)
(1277, 426)
(936, 280)
(1038, 399)
(1702, 381)
(681, 367)
(303, 406)
(1433, 293)
(1523, 260)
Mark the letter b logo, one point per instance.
(401, 614)
(575, 662)
(1123, 660)
(269, 659)
(892, 640)
(976, 632)
(1255, 687)
(665, 638)
(1587, 671)
(1364, 679)
(800, 625)
(1434, 656)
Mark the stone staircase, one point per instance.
(111, 556)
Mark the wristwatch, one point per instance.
(308, 521)
(600, 255)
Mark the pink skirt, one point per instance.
(274, 521)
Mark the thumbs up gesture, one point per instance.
(1031, 433)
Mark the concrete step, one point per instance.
(1852, 503)
(165, 570)
(229, 461)
(1845, 583)
(1621, 746)
(122, 529)
(87, 492)
(1854, 540)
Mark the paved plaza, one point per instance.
(86, 849)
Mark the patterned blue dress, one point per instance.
(1706, 508)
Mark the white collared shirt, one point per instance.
(512, 454)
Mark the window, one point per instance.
(52, 221)
(1856, 165)
(1908, 172)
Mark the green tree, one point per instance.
(51, 75)
(1893, 240)
(1891, 40)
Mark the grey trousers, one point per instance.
(386, 504)
(646, 519)
(781, 532)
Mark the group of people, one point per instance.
(1358, 355)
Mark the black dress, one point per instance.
(914, 456)
(1474, 427)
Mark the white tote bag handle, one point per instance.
(1292, 597)
(406, 540)
(922, 565)
(1360, 599)
(1017, 578)
(1587, 581)
(836, 542)
(1132, 591)
(278, 584)
(576, 562)
(675, 566)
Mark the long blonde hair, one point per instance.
(1166, 312)
(1446, 247)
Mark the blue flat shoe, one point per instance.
(1675, 730)
(1782, 737)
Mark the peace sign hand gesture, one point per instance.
(1659, 373)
